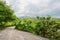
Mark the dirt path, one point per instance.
(12, 34)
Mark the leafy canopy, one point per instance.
(6, 13)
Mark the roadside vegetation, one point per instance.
(7, 17)
(43, 26)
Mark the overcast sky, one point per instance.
(35, 7)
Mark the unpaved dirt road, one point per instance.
(13, 34)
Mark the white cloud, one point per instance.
(27, 7)
(57, 5)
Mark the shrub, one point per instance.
(6, 15)
(44, 26)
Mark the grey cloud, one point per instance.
(34, 10)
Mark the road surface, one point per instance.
(13, 34)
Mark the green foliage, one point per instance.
(6, 15)
(43, 26)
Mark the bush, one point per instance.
(2, 25)
(44, 26)
(6, 15)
